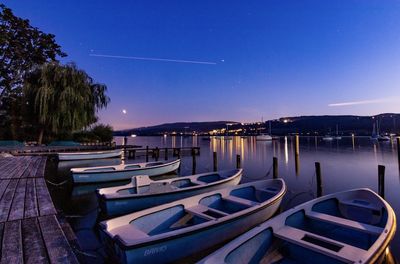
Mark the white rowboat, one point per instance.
(179, 229)
(122, 171)
(89, 155)
(348, 227)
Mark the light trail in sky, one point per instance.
(363, 102)
(152, 59)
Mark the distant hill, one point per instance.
(180, 127)
(304, 125)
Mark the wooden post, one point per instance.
(238, 165)
(156, 153)
(166, 154)
(381, 181)
(275, 167)
(133, 154)
(147, 153)
(297, 155)
(319, 178)
(215, 161)
(193, 161)
(179, 152)
(398, 149)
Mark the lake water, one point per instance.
(347, 163)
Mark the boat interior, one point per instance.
(342, 230)
(207, 209)
(122, 167)
(155, 186)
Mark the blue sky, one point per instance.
(266, 58)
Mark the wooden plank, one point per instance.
(5, 169)
(3, 187)
(35, 166)
(1, 237)
(11, 250)
(45, 203)
(23, 164)
(42, 168)
(6, 200)
(33, 245)
(56, 243)
(18, 204)
(31, 206)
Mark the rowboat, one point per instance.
(179, 229)
(263, 137)
(89, 155)
(355, 226)
(143, 192)
(122, 171)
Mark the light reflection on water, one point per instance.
(348, 163)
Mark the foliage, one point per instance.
(63, 98)
(98, 133)
(103, 132)
(22, 47)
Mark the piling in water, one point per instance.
(215, 161)
(238, 163)
(318, 175)
(147, 153)
(398, 150)
(297, 155)
(156, 153)
(166, 154)
(381, 181)
(274, 167)
(193, 161)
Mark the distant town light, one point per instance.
(133, 135)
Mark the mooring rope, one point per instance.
(258, 178)
(57, 184)
(84, 253)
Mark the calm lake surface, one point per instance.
(347, 163)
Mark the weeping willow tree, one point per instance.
(63, 98)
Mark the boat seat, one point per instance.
(198, 182)
(359, 204)
(241, 200)
(327, 246)
(200, 210)
(345, 222)
(129, 234)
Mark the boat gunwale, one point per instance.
(239, 173)
(160, 238)
(164, 164)
(91, 152)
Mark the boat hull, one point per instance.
(89, 155)
(132, 204)
(175, 248)
(85, 177)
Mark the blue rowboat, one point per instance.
(122, 171)
(348, 227)
(143, 192)
(179, 229)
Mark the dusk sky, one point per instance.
(169, 61)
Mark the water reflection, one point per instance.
(344, 166)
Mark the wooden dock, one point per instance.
(30, 230)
